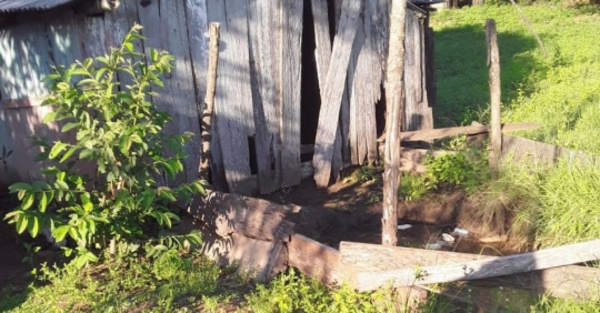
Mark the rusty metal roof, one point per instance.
(7, 6)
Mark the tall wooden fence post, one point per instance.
(209, 100)
(395, 96)
(493, 63)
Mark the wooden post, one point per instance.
(394, 94)
(209, 100)
(493, 63)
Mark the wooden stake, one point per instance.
(394, 93)
(209, 100)
(493, 62)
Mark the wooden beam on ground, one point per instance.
(314, 259)
(438, 133)
(334, 89)
(493, 63)
(368, 266)
(251, 217)
(530, 151)
(259, 259)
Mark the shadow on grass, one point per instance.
(462, 74)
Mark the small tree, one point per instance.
(118, 129)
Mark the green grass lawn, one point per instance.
(560, 91)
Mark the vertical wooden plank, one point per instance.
(323, 58)
(183, 105)
(9, 60)
(291, 36)
(197, 26)
(334, 88)
(493, 63)
(354, 108)
(365, 94)
(233, 114)
(417, 114)
(62, 36)
(265, 65)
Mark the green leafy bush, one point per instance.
(466, 167)
(118, 130)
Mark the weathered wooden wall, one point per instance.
(257, 116)
(31, 43)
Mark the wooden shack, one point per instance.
(299, 89)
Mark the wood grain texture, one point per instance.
(209, 101)
(291, 37)
(265, 66)
(576, 282)
(314, 259)
(233, 114)
(251, 217)
(373, 278)
(433, 134)
(394, 102)
(493, 63)
(417, 114)
(527, 151)
(334, 88)
(365, 94)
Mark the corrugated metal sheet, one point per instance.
(7, 6)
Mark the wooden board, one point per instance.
(233, 112)
(265, 66)
(366, 274)
(251, 217)
(261, 260)
(291, 37)
(334, 88)
(314, 259)
(578, 282)
(529, 151)
(438, 133)
(365, 92)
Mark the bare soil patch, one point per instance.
(351, 211)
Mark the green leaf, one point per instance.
(43, 204)
(60, 232)
(22, 223)
(69, 126)
(125, 144)
(68, 154)
(19, 186)
(50, 117)
(62, 86)
(58, 148)
(10, 215)
(34, 227)
(148, 198)
(27, 201)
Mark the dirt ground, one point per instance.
(351, 211)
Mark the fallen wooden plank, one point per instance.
(251, 217)
(334, 88)
(438, 133)
(261, 260)
(368, 266)
(529, 151)
(314, 259)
